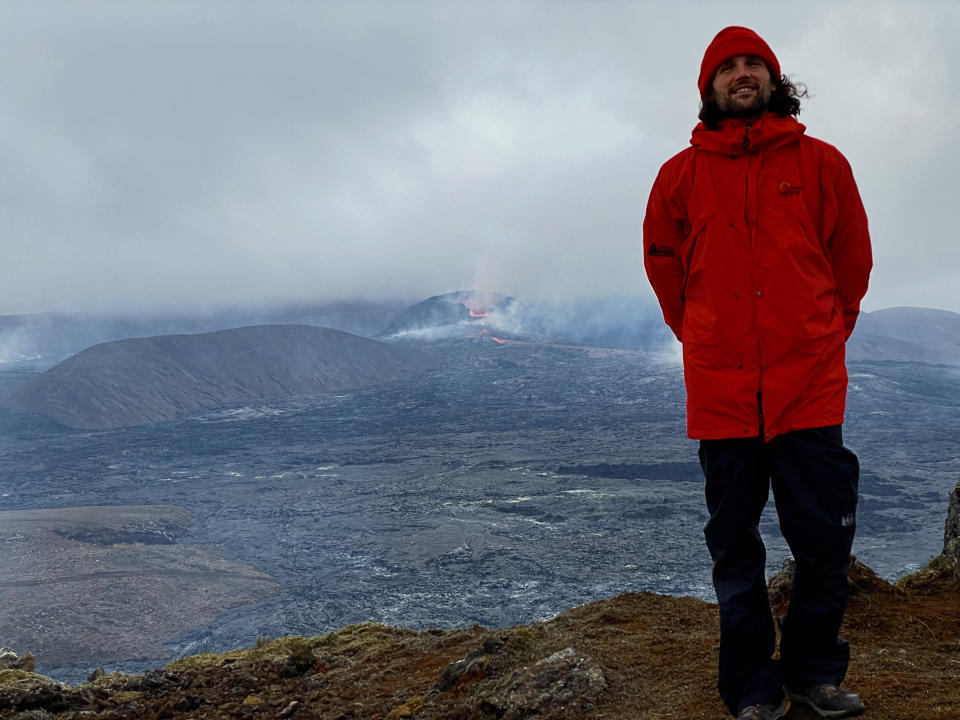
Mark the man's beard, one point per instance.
(755, 107)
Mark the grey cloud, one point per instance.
(200, 154)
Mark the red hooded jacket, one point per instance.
(756, 244)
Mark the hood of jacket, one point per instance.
(735, 137)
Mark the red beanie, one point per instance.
(730, 42)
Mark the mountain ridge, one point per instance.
(142, 380)
(906, 334)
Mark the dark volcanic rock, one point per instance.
(563, 685)
(144, 380)
(10, 659)
(951, 531)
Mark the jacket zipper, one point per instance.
(749, 224)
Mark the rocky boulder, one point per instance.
(562, 686)
(9, 660)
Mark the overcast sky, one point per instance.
(175, 155)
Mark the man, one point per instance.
(756, 245)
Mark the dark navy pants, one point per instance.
(814, 479)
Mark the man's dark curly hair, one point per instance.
(784, 100)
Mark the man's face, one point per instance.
(742, 86)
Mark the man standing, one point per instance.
(756, 244)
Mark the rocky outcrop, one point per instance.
(10, 660)
(947, 563)
(562, 686)
(145, 380)
(951, 533)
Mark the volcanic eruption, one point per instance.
(454, 314)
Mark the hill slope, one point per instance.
(46, 338)
(906, 334)
(144, 380)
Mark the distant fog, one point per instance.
(42, 340)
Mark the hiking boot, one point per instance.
(765, 712)
(828, 701)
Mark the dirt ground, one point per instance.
(657, 656)
(81, 582)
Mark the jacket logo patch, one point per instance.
(787, 189)
(661, 251)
